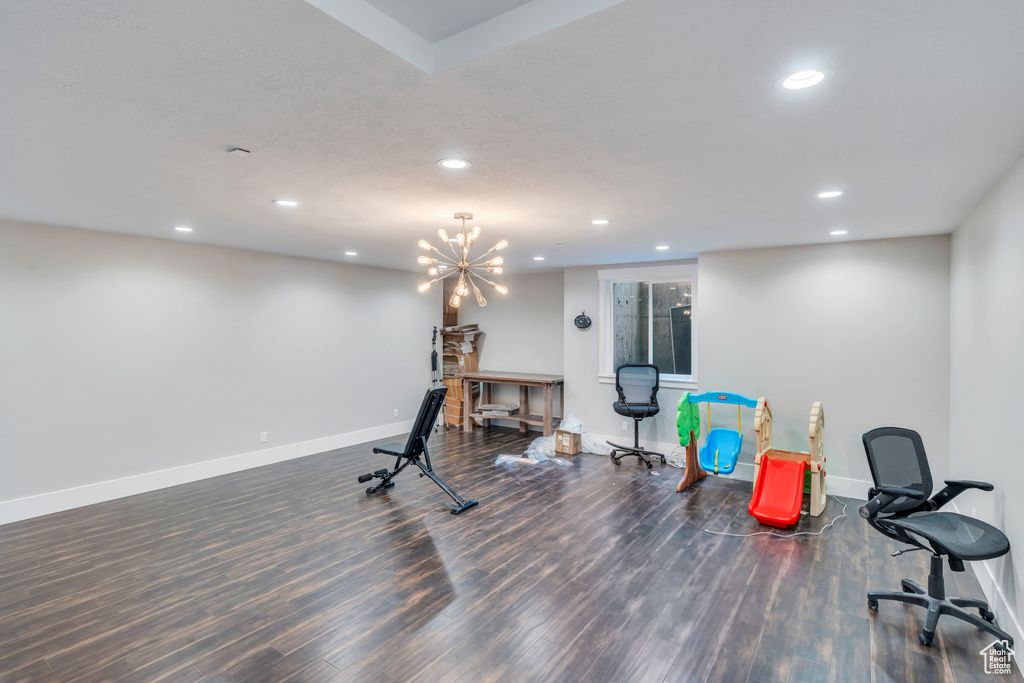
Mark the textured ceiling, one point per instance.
(659, 114)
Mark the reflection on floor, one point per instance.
(585, 573)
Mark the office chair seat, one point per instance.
(635, 411)
(899, 506)
(963, 537)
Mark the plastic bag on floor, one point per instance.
(506, 459)
(571, 424)
(591, 444)
(541, 448)
(560, 461)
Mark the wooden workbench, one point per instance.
(524, 380)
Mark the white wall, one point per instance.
(522, 332)
(987, 374)
(590, 399)
(122, 356)
(860, 326)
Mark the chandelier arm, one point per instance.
(447, 260)
(476, 290)
(458, 257)
(492, 284)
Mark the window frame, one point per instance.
(685, 272)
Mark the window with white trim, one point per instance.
(649, 316)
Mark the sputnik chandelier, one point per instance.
(442, 267)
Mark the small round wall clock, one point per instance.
(582, 321)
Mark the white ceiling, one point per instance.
(439, 19)
(660, 114)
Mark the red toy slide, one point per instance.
(778, 492)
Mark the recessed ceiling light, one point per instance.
(600, 221)
(838, 232)
(661, 247)
(182, 228)
(351, 253)
(454, 163)
(803, 79)
(285, 202)
(830, 194)
(538, 258)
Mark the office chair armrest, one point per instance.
(953, 488)
(883, 495)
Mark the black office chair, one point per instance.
(638, 398)
(900, 508)
(415, 446)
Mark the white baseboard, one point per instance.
(67, 499)
(1006, 616)
(836, 486)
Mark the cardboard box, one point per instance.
(567, 443)
(468, 362)
(454, 390)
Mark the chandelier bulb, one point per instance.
(442, 235)
(426, 245)
(497, 270)
(502, 289)
(501, 245)
(432, 271)
(455, 301)
(496, 261)
(461, 237)
(425, 286)
(426, 261)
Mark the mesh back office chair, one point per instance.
(638, 398)
(903, 484)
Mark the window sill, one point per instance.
(665, 383)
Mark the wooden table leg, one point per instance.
(467, 405)
(485, 397)
(524, 407)
(547, 410)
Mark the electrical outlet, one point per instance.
(396, 412)
(263, 437)
(625, 425)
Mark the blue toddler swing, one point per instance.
(722, 446)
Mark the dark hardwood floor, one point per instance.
(586, 573)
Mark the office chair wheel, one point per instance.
(925, 639)
(907, 589)
(987, 615)
(650, 465)
(615, 459)
(872, 604)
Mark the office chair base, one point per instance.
(638, 452)
(934, 600)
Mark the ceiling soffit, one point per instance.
(496, 33)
